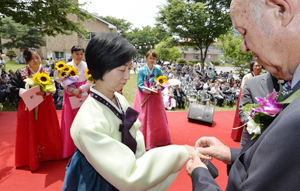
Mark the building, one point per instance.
(59, 47)
(213, 53)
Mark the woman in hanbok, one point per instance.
(110, 152)
(68, 114)
(153, 117)
(170, 102)
(38, 138)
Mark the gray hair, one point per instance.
(257, 6)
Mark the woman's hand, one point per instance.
(194, 162)
(76, 92)
(191, 150)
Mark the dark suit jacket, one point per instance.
(259, 86)
(199, 86)
(268, 163)
(180, 92)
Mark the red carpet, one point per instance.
(50, 174)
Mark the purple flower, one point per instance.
(268, 106)
(166, 85)
(70, 80)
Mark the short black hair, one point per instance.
(252, 64)
(28, 53)
(106, 52)
(76, 48)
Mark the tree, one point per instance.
(231, 45)
(197, 23)
(166, 51)
(50, 16)
(122, 25)
(20, 36)
(11, 54)
(146, 38)
(181, 62)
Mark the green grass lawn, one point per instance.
(10, 65)
(129, 90)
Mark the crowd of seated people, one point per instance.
(9, 99)
(222, 87)
(5, 83)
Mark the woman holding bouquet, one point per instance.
(81, 87)
(38, 136)
(153, 115)
(110, 152)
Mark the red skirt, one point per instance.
(37, 140)
(236, 133)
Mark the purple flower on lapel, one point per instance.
(268, 106)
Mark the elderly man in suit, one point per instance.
(270, 29)
(179, 95)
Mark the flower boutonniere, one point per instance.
(265, 109)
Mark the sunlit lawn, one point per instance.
(10, 65)
(129, 89)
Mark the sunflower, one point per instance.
(66, 68)
(36, 76)
(59, 65)
(87, 73)
(63, 74)
(88, 76)
(161, 80)
(44, 79)
(73, 72)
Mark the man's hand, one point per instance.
(194, 162)
(211, 146)
(191, 150)
(76, 92)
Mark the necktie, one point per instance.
(287, 88)
(148, 78)
(127, 121)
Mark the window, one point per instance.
(196, 56)
(184, 56)
(208, 56)
(90, 35)
(59, 55)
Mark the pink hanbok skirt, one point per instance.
(67, 116)
(153, 118)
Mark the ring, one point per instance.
(195, 147)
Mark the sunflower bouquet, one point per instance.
(40, 79)
(68, 74)
(160, 83)
(44, 81)
(89, 76)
